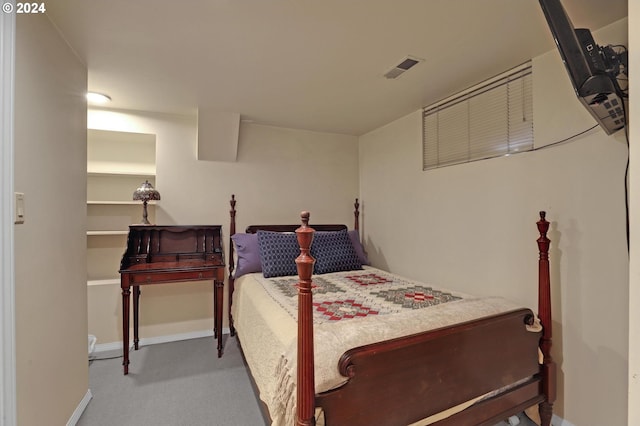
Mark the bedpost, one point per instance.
(232, 231)
(305, 403)
(544, 312)
(356, 214)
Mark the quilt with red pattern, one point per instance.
(357, 294)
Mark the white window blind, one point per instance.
(493, 119)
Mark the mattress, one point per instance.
(351, 309)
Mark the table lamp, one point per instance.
(144, 193)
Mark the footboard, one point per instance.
(408, 379)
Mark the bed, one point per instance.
(449, 359)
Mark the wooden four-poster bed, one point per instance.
(475, 371)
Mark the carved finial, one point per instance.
(232, 212)
(304, 216)
(543, 225)
(543, 241)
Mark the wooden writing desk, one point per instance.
(163, 254)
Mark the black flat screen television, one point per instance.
(592, 69)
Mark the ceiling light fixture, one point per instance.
(98, 98)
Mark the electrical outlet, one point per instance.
(18, 216)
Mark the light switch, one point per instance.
(19, 208)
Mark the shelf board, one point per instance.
(119, 203)
(109, 281)
(140, 173)
(97, 233)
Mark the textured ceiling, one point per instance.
(315, 65)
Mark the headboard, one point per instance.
(252, 229)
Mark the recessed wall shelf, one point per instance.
(117, 163)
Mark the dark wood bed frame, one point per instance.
(404, 380)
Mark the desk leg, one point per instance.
(215, 308)
(125, 327)
(217, 300)
(136, 304)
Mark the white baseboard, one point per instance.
(113, 346)
(80, 408)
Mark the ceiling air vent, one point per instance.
(404, 65)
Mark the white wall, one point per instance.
(634, 187)
(472, 227)
(278, 173)
(50, 251)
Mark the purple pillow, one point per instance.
(248, 254)
(357, 246)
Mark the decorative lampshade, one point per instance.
(145, 193)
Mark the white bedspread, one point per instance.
(267, 329)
